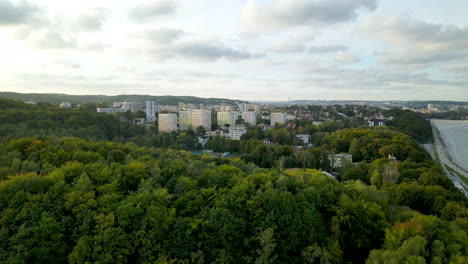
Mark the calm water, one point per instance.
(455, 136)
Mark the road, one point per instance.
(445, 162)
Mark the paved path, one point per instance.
(445, 162)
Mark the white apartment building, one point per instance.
(249, 107)
(110, 110)
(236, 132)
(278, 118)
(185, 120)
(167, 123)
(250, 118)
(227, 118)
(132, 106)
(201, 118)
(150, 111)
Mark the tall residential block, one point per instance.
(185, 120)
(167, 123)
(250, 118)
(278, 118)
(201, 118)
(227, 118)
(150, 111)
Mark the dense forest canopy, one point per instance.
(83, 187)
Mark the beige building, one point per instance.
(278, 118)
(201, 118)
(185, 120)
(167, 123)
(227, 118)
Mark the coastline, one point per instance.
(447, 163)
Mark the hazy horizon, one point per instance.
(254, 50)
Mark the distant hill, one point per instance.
(80, 99)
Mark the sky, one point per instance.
(255, 50)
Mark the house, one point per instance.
(291, 125)
(304, 138)
(374, 122)
(266, 141)
(338, 160)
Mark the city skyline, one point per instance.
(256, 50)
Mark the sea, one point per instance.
(455, 137)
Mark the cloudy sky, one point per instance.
(244, 49)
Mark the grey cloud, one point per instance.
(290, 13)
(153, 9)
(210, 51)
(163, 35)
(18, 13)
(92, 20)
(327, 49)
(417, 42)
(165, 43)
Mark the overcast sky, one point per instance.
(240, 49)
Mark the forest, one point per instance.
(83, 187)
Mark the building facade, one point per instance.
(167, 123)
(132, 106)
(227, 118)
(111, 110)
(185, 120)
(201, 118)
(250, 118)
(150, 111)
(278, 118)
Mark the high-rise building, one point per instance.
(250, 118)
(201, 118)
(278, 118)
(227, 118)
(150, 111)
(167, 123)
(185, 120)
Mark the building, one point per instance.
(132, 106)
(225, 108)
(201, 118)
(65, 105)
(150, 111)
(236, 132)
(304, 138)
(250, 118)
(278, 118)
(375, 122)
(111, 110)
(118, 104)
(185, 120)
(167, 123)
(227, 118)
(339, 160)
